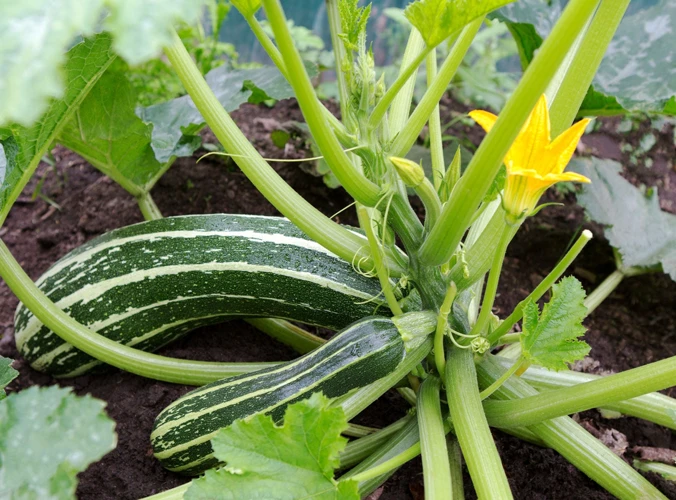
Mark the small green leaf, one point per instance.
(280, 138)
(436, 20)
(288, 462)
(644, 235)
(246, 7)
(550, 339)
(47, 436)
(353, 20)
(7, 374)
(106, 132)
(176, 122)
(22, 147)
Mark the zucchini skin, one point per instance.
(357, 356)
(148, 284)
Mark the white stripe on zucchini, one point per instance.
(148, 284)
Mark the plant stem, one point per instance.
(287, 333)
(542, 288)
(455, 465)
(318, 227)
(492, 283)
(405, 74)
(654, 407)
(603, 291)
(596, 393)
(436, 143)
(401, 106)
(668, 472)
(436, 467)
(359, 449)
(416, 122)
(389, 465)
(473, 185)
(503, 378)
(148, 207)
(339, 54)
(471, 427)
(126, 358)
(586, 62)
(442, 324)
(354, 182)
(575, 444)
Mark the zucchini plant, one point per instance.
(413, 299)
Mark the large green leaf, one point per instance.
(106, 132)
(176, 122)
(637, 72)
(644, 235)
(47, 436)
(23, 147)
(286, 462)
(7, 374)
(35, 34)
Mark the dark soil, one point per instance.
(635, 326)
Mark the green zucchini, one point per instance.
(148, 284)
(357, 356)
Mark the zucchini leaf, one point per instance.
(35, 34)
(7, 374)
(634, 224)
(550, 339)
(295, 460)
(632, 75)
(436, 20)
(176, 123)
(47, 436)
(21, 148)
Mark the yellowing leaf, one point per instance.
(550, 339)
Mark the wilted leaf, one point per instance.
(34, 37)
(107, 133)
(436, 20)
(176, 122)
(644, 235)
(550, 339)
(295, 460)
(637, 69)
(47, 436)
(23, 147)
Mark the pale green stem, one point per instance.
(455, 463)
(416, 122)
(428, 195)
(389, 465)
(603, 291)
(401, 106)
(148, 207)
(318, 227)
(471, 427)
(354, 182)
(542, 288)
(442, 325)
(376, 256)
(668, 472)
(405, 74)
(287, 333)
(359, 449)
(436, 143)
(106, 350)
(443, 240)
(436, 466)
(503, 378)
(568, 99)
(339, 53)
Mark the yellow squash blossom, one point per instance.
(534, 162)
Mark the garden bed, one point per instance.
(636, 325)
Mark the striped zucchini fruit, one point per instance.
(148, 284)
(357, 356)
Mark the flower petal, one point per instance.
(533, 139)
(562, 148)
(569, 177)
(483, 118)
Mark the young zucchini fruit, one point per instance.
(149, 284)
(357, 356)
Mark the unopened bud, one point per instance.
(410, 172)
(480, 345)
